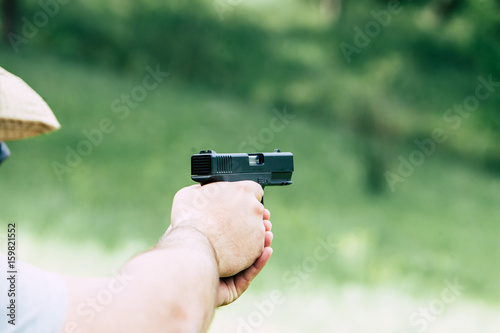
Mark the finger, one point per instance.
(190, 188)
(185, 192)
(243, 279)
(267, 214)
(268, 239)
(268, 225)
(252, 187)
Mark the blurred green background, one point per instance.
(365, 85)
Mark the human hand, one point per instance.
(230, 215)
(231, 288)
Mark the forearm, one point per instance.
(171, 288)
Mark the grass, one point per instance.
(440, 224)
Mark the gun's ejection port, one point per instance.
(255, 159)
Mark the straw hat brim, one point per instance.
(23, 113)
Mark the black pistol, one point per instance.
(267, 169)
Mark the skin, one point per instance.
(218, 242)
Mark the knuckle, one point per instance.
(185, 192)
(259, 209)
(182, 192)
(243, 185)
(178, 195)
(253, 188)
(249, 185)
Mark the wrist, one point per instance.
(189, 238)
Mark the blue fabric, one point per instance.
(41, 300)
(4, 151)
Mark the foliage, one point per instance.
(440, 224)
(353, 122)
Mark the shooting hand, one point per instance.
(230, 215)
